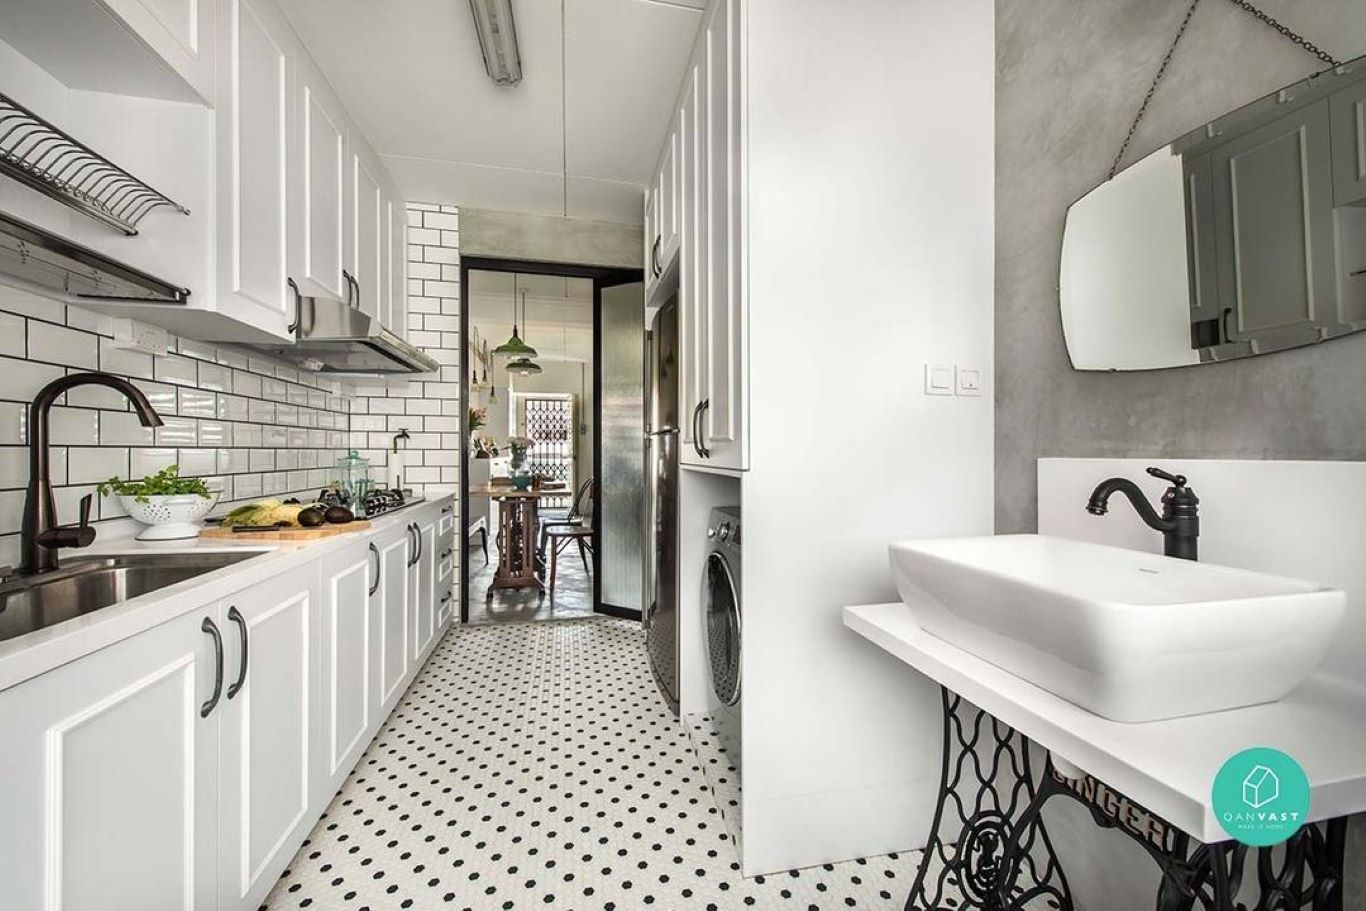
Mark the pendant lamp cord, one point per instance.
(1247, 7)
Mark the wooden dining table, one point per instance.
(518, 559)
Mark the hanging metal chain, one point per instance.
(1251, 10)
(1285, 32)
(1152, 89)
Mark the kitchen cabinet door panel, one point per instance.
(1274, 230)
(111, 776)
(253, 123)
(692, 305)
(320, 210)
(349, 616)
(179, 31)
(266, 725)
(1349, 145)
(368, 225)
(395, 551)
(423, 592)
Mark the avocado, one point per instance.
(311, 517)
(338, 515)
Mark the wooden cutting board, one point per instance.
(290, 533)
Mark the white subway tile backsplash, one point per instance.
(197, 463)
(124, 363)
(74, 426)
(253, 426)
(233, 407)
(89, 465)
(60, 345)
(122, 428)
(142, 462)
(262, 412)
(13, 423)
(212, 376)
(23, 379)
(11, 335)
(197, 403)
(176, 431)
(172, 368)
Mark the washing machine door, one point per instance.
(721, 602)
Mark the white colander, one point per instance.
(169, 518)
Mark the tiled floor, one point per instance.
(573, 591)
(533, 765)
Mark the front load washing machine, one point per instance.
(722, 609)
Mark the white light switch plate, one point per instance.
(939, 379)
(969, 381)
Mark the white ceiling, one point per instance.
(577, 137)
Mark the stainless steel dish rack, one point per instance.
(38, 155)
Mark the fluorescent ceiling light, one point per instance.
(498, 40)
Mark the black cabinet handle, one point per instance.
(417, 536)
(445, 509)
(351, 301)
(293, 328)
(446, 597)
(702, 448)
(211, 628)
(235, 616)
(445, 553)
(375, 552)
(697, 430)
(654, 257)
(416, 542)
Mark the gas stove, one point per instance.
(379, 502)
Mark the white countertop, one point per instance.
(1167, 766)
(27, 656)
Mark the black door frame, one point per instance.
(602, 277)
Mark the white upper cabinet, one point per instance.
(396, 317)
(254, 114)
(319, 155)
(705, 149)
(367, 228)
(179, 31)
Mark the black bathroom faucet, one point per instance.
(1180, 519)
(42, 536)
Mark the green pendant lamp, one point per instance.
(524, 367)
(514, 347)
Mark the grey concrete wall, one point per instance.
(1070, 74)
(513, 235)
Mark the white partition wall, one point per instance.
(869, 254)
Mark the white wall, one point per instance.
(1301, 519)
(870, 173)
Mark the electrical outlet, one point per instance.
(132, 335)
(969, 381)
(939, 379)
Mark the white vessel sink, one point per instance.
(1128, 635)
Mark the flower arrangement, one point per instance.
(479, 417)
(485, 448)
(519, 447)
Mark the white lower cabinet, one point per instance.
(181, 768)
(396, 549)
(348, 631)
(423, 570)
(109, 797)
(270, 704)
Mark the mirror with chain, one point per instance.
(1242, 237)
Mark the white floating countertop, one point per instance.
(1167, 766)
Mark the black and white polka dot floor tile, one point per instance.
(534, 765)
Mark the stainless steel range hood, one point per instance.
(334, 337)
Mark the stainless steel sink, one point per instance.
(82, 585)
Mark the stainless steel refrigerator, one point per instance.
(661, 500)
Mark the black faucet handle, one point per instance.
(86, 502)
(1179, 480)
